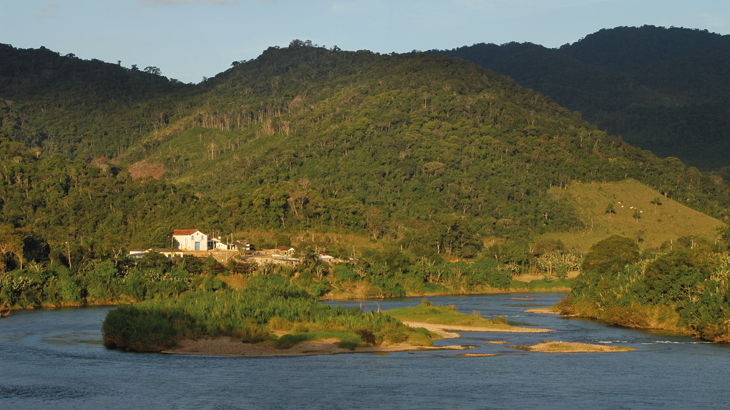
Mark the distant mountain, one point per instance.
(433, 153)
(78, 107)
(665, 90)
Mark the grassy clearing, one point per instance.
(657, 222)
(547, 286)
(444, 315)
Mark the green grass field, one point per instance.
(443, 315)
(657, 223)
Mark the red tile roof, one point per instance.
(184, 231)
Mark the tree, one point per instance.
(637, 215)
(10, 243)
(610, 209)
(153, 70)
(611, 255)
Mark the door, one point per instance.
(197, 246)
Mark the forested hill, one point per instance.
(429, 147)
(63, 104)
(434, 153)
(665, 90)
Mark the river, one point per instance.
(55, 359)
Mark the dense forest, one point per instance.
(447, 171)
(661, 89)
(433, 154)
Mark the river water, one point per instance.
(55, 359)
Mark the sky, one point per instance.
(191, 39)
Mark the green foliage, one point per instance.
(301, 138)
(103, 281)
(610, 208)
(444, 315)
(245, 314)
(674, 276)
(137, 328)
(611, 255)
(685, 290)
(613, 78)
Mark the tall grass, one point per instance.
(249, 314)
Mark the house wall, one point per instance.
(187, 242)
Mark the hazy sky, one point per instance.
(190, 39)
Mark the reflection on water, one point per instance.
(55, 359)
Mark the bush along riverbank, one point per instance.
(105, 282)
(123, 280)
(684, 290)
(270, 310)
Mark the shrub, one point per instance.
(500, 320)
(289, 341)
(611, 255)
(346, 344)
(366, 335)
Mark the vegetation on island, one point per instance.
(428, 313)
(684, 289)
(268, 304)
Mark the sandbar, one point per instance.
(447, 331)
(544, 311)
(547, 346)
(225, 346)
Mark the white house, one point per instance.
(190, 240)
(217, 244)
(244, 245)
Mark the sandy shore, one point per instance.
(447, 331)
(225, 346)
(544, 311)
(573, 347)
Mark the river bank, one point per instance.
(54, 358)
(227, 346)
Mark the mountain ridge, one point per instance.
(433, 153)
(662, 89)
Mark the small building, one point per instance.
(191, 240)
(244, 245)
(222, 246)
(284, 250)
(139, 253)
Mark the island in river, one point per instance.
(426, 320)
